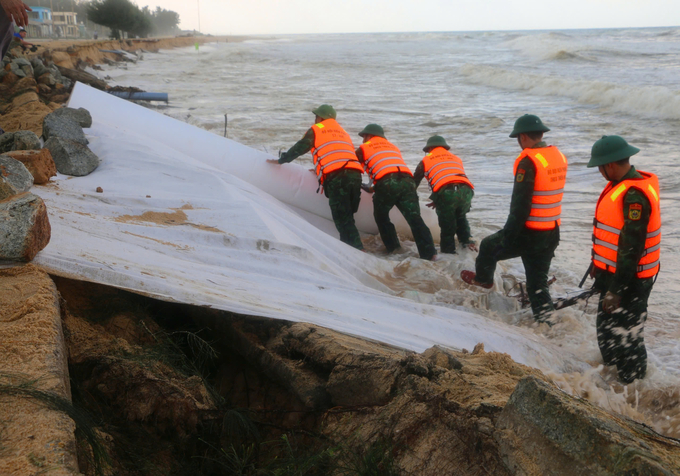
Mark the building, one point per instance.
(39, 23)
(65, 25)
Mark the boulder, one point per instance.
(10, 78)
(47, 78)
(6, 142)
(20, 140)
(18, 70)
(23, 85)
(24, 227)
(44, 89)
(72, 158)
(26, 140)
(24, 98)
(542, 430)
(14, 177)
(81, 115)
(38, 67)
(56, 125)
(38, 162)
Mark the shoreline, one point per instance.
(69, 53)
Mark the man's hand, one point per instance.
(366, 188)
(473, 247)
(431, 205)
(273, 161)
(16, 9)
(611, 302)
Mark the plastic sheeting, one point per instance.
(187, 216)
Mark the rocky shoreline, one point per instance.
(162, 388)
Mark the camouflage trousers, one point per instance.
(343, 189)
(400, 190)
(620, 334)
(452, 203)
(536, 256)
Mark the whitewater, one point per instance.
(468, 87)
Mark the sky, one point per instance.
(243, 17)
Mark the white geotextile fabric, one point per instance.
(174, 222)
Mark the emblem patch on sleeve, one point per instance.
(520, 175)
(635, 211)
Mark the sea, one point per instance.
(470, 87)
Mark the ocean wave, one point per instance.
(549, 46)
(650, 101)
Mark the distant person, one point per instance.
(626, 252)
(12, 10)
(532, 230)
(337, 169)
(19, 38)
(393, 185)
(96, 35)
(452, 193)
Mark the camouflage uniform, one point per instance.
(343, 189)
(399, 189)
(535, 247)
(452, 203)
(619, 334)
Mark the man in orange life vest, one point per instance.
(532, 229)
(452, 193)
(626, 252)
(393, 185)
(337, 169)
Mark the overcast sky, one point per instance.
(240, 17)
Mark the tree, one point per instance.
(165, 22)
(120, 15)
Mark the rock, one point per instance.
(44, 89)
(10, 78)
(442, 358)
(14, 177)
(38, 162)
(60, 98)
(21, 62)
(47, 78)
(23, 85)
(26, 140)
(362, 384)
(542, 430)
(24, 227)
(81, 115)
(6, 142)
(72, 158)
(16, 69)
(99, 190)
(23, 99)
(38, 67)
(55, 125)
(29, 117)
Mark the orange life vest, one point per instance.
(609, 221)
(443, 168)
(333, 149)
(381, 157)
(551, 175)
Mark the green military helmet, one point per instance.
(528, 123)
(436, 141)
(610, 149)
(325, 112)
(373, 130)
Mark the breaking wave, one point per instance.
(651, 101)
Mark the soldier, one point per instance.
(626, 251)
(452, 193)
(532, 229)
(393, 185)
(337, 169)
